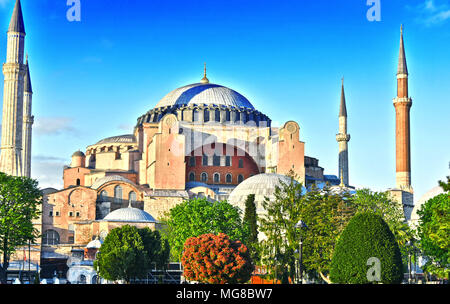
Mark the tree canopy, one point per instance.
(434, 234)
(128, 252)
(367, 239)
(216, 259)
(199, 216)
(20, 201)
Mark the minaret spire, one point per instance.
(343, 138)
(402, 67)
(402, 104)
(28, 120)
(14, 71)
(16, 24)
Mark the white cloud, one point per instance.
(433, 12)
(54, 126)
(48, 171)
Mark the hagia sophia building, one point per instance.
(200, 140)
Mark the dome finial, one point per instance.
(204, 79)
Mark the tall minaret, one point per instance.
(343, 138)
(28, 121)
(14, 73)
(402, 104)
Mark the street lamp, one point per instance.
(409, 245)
(300, 225)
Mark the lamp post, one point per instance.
(409, 245)
(300, 225)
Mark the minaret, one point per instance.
(402, 104)
(343, 138)
(28, 121)
(13, 92)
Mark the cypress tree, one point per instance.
(366, 238)
(250, 222)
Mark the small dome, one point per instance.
(78, 154)
(261, 185)
(205, 93)
(129, 214)
(94, 244)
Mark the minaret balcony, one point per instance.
(342, 137)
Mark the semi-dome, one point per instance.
(435, 191)
(128, 138)
(110, 178)
(261, 185)
(205, 93)
(128, 215)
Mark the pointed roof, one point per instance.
(16, 24)
(343, 108)
(204, 79)
(27, 80)
(402, 68)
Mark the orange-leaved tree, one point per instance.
(216, 259)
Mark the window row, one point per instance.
(71, 213)
(216, 178)
(118, 195)
(216, 161)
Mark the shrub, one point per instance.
(367, 235)
(216, 259)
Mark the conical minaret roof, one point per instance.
(343, 108)
(402, 67)
(16, 24)
(27, 79)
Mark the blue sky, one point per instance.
(92, 79)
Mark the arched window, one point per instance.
(206, 115)
(103, 196)
(195, 115)
(216, 160)
(118, 194)
(78, 182)
(82, 279)
(217, 115)
(204, 177)
(241, 163)
(240, 178)
(50, 237)
(216, 177)
(228, 161)
(192, 177)
(229, 178)
(132, 197)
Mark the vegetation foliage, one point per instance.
(216, 259)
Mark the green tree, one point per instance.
(434, 234)
(326, 214)
(282, 239)
(128, 253)
(366, 236)
(20, 199)
(250, 222)
(382, 204)
(199, 216)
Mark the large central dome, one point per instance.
(204, 93)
